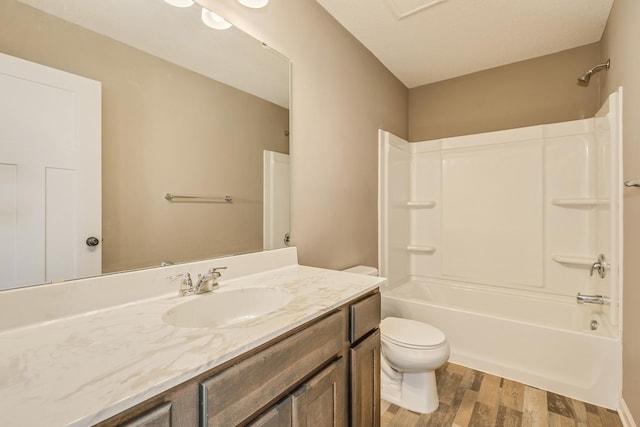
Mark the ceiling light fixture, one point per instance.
(213, 20)
(180, 3)
(254, 4)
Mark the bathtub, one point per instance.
(545, 342)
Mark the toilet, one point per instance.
(411, 353)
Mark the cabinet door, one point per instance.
(322, 401)
(365, 381)
(278, 416)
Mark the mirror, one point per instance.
(185, 109)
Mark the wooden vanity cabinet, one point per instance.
(325, 373)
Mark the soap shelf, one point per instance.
(578, 202)
(421, 204)
(421, 248)
(578, 260)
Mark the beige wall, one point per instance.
(536, 91)
(341, 95)
(165, 129)
(620, 43)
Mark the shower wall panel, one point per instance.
(513, 209)
(609, 210)
(570, 217)
(426, 167)
(492, 213)
(394, 224)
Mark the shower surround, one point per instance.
(490, 237)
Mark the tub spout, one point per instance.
(591, 299)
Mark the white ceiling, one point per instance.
(178, 35)
(443, 39)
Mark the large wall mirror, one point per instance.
(184, 109)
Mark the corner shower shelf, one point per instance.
(421, 248)
(579, 260)
(418, 204)
(577, 202)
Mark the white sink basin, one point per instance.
(227, 308)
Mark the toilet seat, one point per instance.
(411, 334)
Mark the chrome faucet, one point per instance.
(591, 299)
(209, 281)
(204, 284)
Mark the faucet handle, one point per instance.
(186, 285)
(215, 273)
(186, 276)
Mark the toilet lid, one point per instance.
(411, 333)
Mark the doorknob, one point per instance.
(92, 241)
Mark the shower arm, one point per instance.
(600, 66)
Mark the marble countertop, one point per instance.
(79, 370)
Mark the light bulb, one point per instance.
(180, 3)
(254, 4)
(213, 20)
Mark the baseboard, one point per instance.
(625, 415)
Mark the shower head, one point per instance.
(584, 79)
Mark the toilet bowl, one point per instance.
(411, 352)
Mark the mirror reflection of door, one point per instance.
(50, 191)
(276, 200)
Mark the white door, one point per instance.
(50, 167)
(276, 200)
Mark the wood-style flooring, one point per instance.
(470, 398)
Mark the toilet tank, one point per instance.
(362, 269)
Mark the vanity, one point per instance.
(139, 358)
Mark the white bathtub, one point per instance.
(543, 342)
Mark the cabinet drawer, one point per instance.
(237, 393)
(364, 316)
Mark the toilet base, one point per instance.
(415, 392)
